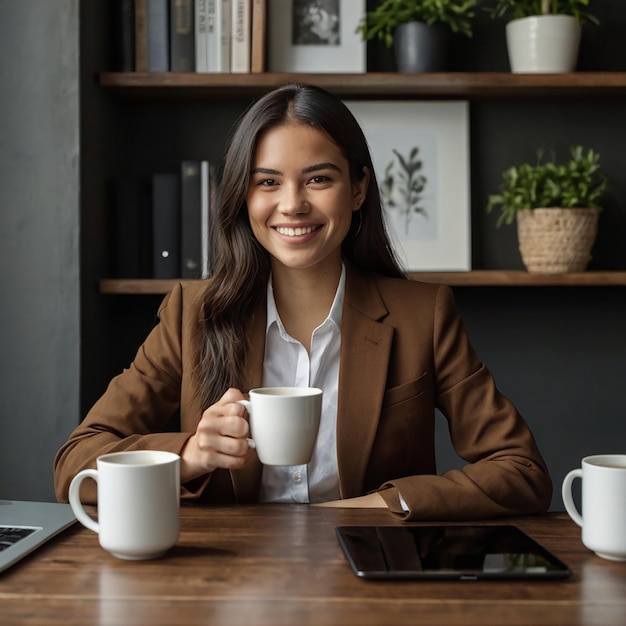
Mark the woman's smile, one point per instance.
(297, 231)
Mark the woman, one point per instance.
(306, 291)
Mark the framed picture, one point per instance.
(420, 152)
(315, 36)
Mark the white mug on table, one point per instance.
(603, 519)
(283, 423)
(138, 502)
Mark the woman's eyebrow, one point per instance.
(321, 166)
(264, 170)
(307, 170)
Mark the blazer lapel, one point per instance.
(247, 481)
(365, 349)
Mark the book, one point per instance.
(200, 20)
(191, 219)
(258, 36)
(166, 226)
(124, 35)
(240, 36)
(224, 35)
(141, 35)
(182, 36)
(213, 35)
(130, 224)
(207, 204)
(157, 18)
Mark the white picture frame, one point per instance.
(316, 36)
(432, 233)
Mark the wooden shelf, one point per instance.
(477, 278)
(387, 85)
(520, 278)
(383, 85)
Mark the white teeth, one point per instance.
(295, 232)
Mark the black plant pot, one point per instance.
(420, 47)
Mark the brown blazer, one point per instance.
(404, 352)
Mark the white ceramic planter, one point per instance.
(543, 44)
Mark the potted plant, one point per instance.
(556, 207)
(543, 36)
(418, 30)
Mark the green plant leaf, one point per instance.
(579, 183)
(517, 9)
(382, 21)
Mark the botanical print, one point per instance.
(405, 162)
(402, 186)
(420, 152)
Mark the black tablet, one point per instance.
(447, 552)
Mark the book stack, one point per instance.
(225, 36)
(161, 227)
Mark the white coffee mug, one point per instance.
(138, 502)
(283, 423)
(603, 519)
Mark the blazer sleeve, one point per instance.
(505, 474)
(135, 408)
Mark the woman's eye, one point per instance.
(319, 179)
(267, 182)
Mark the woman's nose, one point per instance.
(294, 201)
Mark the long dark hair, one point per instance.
(240, 265)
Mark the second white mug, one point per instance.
(284, 422)
(603, 519)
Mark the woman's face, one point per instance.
(300, 197)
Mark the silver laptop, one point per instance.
(24, 526)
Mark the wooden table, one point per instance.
(282, 565)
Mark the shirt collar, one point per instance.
(336, 310)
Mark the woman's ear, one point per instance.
(359, 189)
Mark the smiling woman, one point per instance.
(306, 291)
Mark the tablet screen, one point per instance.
(454, 552)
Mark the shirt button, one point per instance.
(297, 477)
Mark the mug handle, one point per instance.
(77, 505)
(566, 493)
(248, 405)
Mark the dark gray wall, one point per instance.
(39, 232)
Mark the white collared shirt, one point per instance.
(287, 363)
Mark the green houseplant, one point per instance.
(543, 36)
(556, 208)
(382, 21)
(418, 29)
(517, 9)
(579, 183)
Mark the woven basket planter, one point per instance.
(553, 241)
